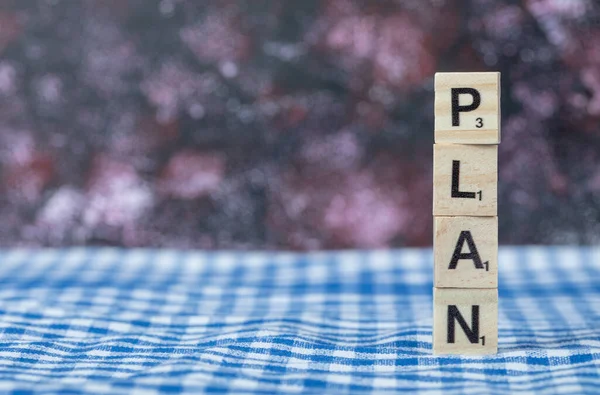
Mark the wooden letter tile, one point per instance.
(467, 108)
(465, 252)
(465, 321)
(465, 179)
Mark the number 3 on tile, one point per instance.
(479, 123)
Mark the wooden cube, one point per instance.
(467, 108)
(465, 179)
(465, 252)
(465, 321)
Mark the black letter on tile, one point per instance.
(457, 108)
(473, 254)
(455, 183)
(472, 332)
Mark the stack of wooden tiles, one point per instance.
(465, 178)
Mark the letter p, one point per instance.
(457, 108)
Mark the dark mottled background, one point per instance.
(284, 124)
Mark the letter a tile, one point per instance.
(467, 108)
(465, 252)
(465, 179)
(465, 321)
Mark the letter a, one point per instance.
(465, 236)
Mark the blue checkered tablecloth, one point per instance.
(109, 321)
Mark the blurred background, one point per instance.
(264, 124)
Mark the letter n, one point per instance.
(455, 316)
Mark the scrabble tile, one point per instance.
(465, 321)
(465, 179)
(467, 108)
(465, 252)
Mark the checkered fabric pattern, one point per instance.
(107, 321)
